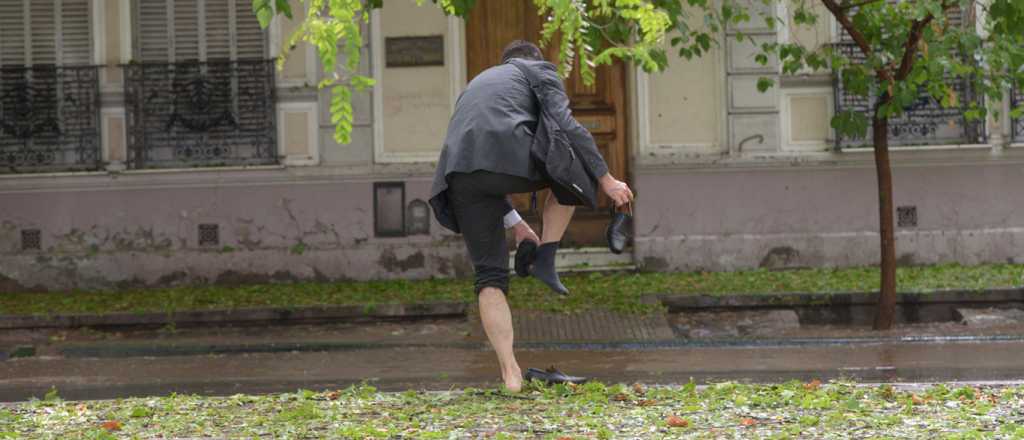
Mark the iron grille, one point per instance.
(49, 119)
(1016, 101)
(200, 114)
(925, 122)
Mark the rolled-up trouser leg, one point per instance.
(481, 219)
(480, 203)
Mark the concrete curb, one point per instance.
(853, 308)
(310, 315)
(988, 296)
(239, 316)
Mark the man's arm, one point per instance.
(557, 104)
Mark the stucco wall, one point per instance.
(274, 226)
(812, 216)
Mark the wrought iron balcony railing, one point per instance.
(49, 119)
(926, 122)
(200, 114)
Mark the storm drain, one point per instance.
(592, 326)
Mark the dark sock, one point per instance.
(544, 267)
(525, 254)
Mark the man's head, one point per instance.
(522, 49)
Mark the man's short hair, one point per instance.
(522, 49)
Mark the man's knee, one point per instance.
(491, 277)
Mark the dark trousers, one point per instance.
(480, 201)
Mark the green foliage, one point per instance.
(620, 292)
(906, 48)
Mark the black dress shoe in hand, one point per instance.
(552, 376)
(617, 232)
(543, 267)
(525, 254)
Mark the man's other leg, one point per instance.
(497, 322)
(480, 217)
(556, 219)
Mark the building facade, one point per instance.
(150, 143)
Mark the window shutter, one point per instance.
(12, 33)
(43, 31)
(75, 41)
(154, 37)
(186, 30)
(218, 30)
(204, 30)
(249, 36)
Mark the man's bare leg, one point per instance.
(556, 219)
(497, 321)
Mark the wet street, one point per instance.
(445, 354)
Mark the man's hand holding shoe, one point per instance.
(616, 190)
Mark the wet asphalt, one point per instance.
(440, 355)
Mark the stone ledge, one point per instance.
(929, 305)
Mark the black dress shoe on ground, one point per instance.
(617, 233)
(525, 254)
(552, 376)
(543, 267)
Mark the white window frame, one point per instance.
(455, 44)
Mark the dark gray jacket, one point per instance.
(492, 130)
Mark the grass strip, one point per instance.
(614, 291)
(723, 410)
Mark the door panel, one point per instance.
(600, 107)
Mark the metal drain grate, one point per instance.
(906, 216)
(209, 234)
(31, 239)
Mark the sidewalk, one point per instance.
(434, 366)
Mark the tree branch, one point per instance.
(843, 20)
(910, 50)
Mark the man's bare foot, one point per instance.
(513, 380)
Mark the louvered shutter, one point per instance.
(75, 42)
(43, 32)
(12, 33)
(218, 30)
(154, 37)
(204, 30)
(186, 30)
(249, 37)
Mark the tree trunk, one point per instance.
(885, 315)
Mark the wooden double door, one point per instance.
(600, 107)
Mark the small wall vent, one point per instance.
(417, 218)
(389, 209)
(31, 239)
(209, 234)
(906, 216)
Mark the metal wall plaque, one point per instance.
(414, 51)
